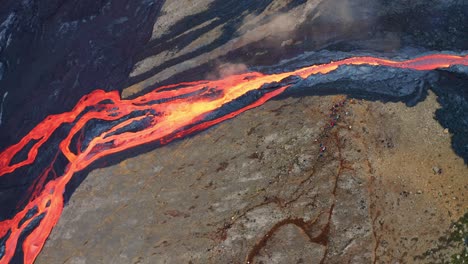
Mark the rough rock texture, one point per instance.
(256, 189)
(54, 52)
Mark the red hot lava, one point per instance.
(169, 112)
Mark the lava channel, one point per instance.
(160, 116)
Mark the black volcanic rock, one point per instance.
(54, 52)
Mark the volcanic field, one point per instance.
(213, 131)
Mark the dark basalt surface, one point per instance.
(452, 92)
(54, 52)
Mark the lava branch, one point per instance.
(165, 114)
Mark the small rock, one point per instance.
(437, 170)
(419, 192)
(446, 131)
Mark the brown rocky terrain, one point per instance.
(257, 189)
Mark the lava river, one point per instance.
(160, 116)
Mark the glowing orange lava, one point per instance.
(170, 112)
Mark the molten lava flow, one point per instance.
(162, 115)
